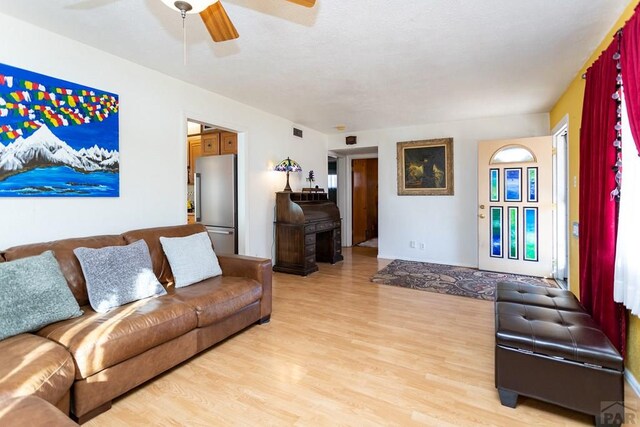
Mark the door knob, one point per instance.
(482, 216)
(481, 206)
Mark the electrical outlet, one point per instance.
(412, 244)
(421, 246)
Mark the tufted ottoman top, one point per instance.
(554, 333)
(541, 296)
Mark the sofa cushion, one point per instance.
(217, 298)
(33, 412)
(101, 340)
(32, 365)
(117, 275)
(63, 251)
(33, 293)
(152, 236)
(191, 258)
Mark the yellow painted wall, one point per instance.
(570, 103)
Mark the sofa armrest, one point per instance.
(258, 269)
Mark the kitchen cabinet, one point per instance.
(211, 144)
(194, 150)
(228, 143)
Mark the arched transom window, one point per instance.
(513, 154)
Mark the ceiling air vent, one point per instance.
(297, 132)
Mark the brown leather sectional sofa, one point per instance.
(81, 364)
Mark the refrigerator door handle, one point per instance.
(198, 197)
(220, 232)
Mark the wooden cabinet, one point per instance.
(211, 144)
(218, 142)
(194, 150)
(228, 143)
(308, 230)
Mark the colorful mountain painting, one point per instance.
(57, 139)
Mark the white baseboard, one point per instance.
(633, 382)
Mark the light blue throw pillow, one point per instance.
(33, 294)
(117, 275)
(191, 258)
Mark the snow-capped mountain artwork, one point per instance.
(44, 165)
(44, 149)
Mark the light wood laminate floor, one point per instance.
(341, 350)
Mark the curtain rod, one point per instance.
(617, 34)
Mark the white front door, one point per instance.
(515, 209)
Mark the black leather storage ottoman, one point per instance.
(558, 356)
(541, 296)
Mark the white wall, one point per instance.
(153, 112)
(446, 224)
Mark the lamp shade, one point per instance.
(197, 5)
(288, 165)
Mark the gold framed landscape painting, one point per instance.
(425, 168)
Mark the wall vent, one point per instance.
(297, 132)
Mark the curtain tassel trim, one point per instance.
(617, 143)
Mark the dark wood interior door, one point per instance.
(364, 181)
(359, 197)
(372, 198)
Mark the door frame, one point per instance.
(345, 196)
(241, 171)
(561, 225)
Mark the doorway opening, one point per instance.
(364, 190)
(560, 202)
(344, 190)
(212, 183)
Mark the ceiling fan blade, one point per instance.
(305, 3)
(217, 21)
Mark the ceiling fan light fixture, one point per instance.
(190, 6)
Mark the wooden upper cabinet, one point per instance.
(228, 143)
(210, 144)
(194, 150)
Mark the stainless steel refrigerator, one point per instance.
(216, 200)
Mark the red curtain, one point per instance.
(598, 213)
(630, 58)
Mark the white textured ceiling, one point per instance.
(367, 64)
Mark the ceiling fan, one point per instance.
(214, 16)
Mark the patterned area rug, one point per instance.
(449, 279)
